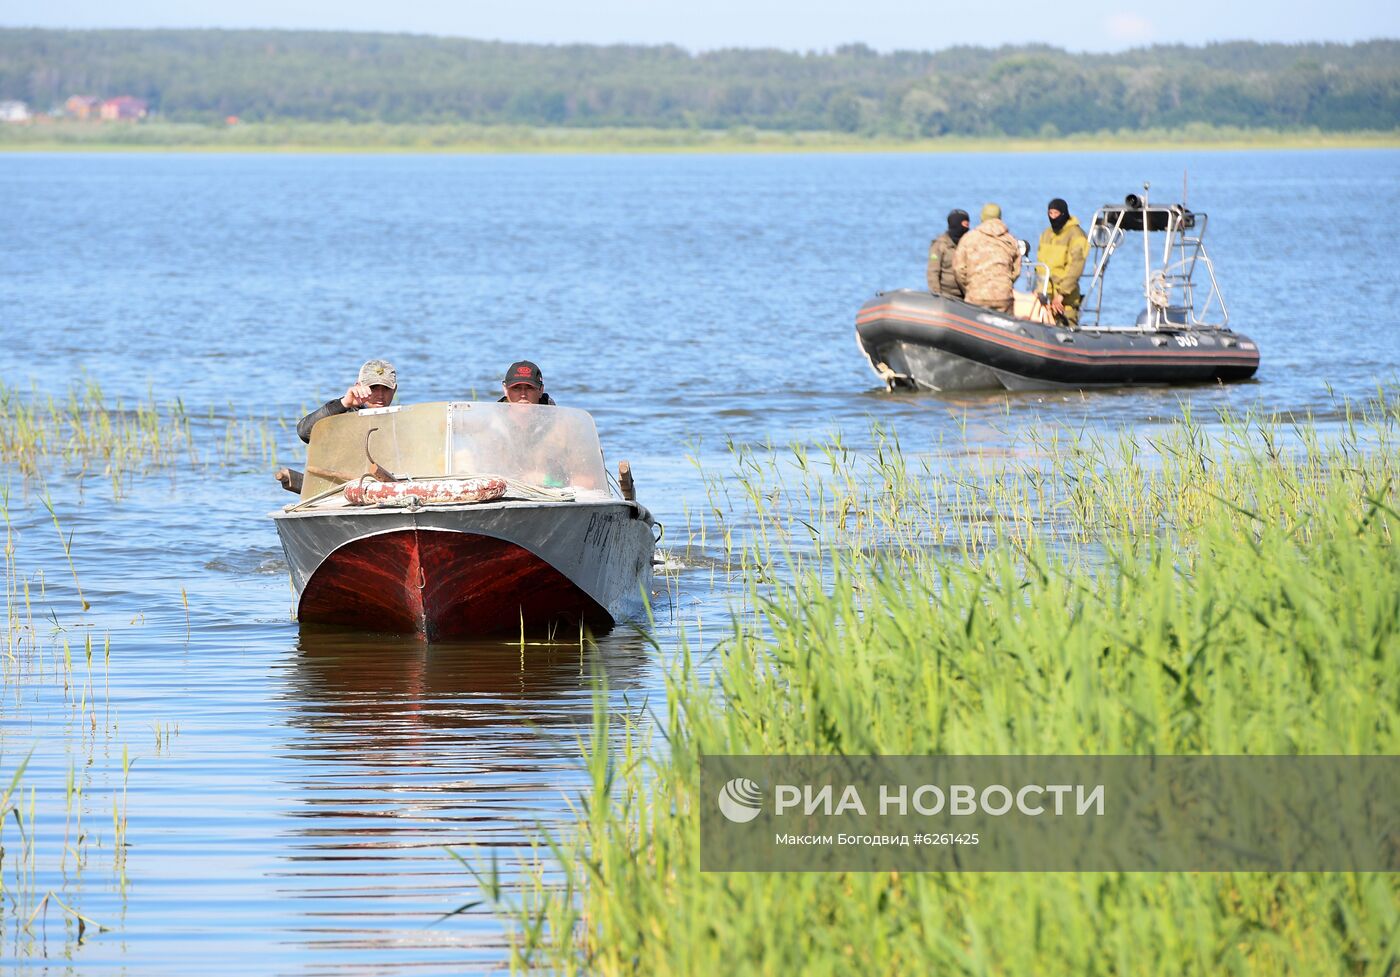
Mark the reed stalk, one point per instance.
(85, 432)
(1179, 591)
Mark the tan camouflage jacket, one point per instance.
(941, 280)
(988, 263)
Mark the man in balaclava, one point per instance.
(941, 280)
(1063, 249)
(988, 262)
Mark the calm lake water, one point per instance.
(290, 794)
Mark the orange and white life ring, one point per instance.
(432, 491)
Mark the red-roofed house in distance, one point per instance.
(123, 107)
(82, 106)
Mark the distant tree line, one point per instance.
(206, 75)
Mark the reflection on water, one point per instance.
(403, 749)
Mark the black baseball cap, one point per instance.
(524, 371)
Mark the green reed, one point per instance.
(48, 672)
(50, 841)
(1168, 592)
(85, 431)
(42, 868)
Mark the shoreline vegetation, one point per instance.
(1031, 91)
(1193, 590)
(81, 432)
(468, 138)
(269, 90)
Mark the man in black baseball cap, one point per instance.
(524, 384)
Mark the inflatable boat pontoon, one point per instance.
(915, 340)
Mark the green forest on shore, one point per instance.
(347, 90)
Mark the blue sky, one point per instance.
(1083, 25)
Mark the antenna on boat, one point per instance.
(1147, 259)
(1183, 186)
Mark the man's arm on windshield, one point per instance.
(329, 409)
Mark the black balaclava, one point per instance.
(956, 221)
(1057, 224)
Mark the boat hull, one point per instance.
(452, 571)
(923, 341)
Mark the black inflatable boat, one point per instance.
(916, 340)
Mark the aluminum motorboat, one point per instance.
(457, 519)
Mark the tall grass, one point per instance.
(50, 844)
(85, 431)
(1180, 593)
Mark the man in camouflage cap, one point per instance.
(374, 387)
(988, 262)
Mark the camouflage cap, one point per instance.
(991, 212)
(379, 373)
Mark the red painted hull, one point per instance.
(444, 584)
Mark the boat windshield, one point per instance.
(553, 447)
(544, 446)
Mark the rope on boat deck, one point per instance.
(515, 489)
(318, 497)
(536, 493)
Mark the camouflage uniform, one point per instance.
(1064, 255)
(987, 265)
(941, 279)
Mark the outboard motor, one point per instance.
(1176, 315)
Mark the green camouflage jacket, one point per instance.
(941, 279)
